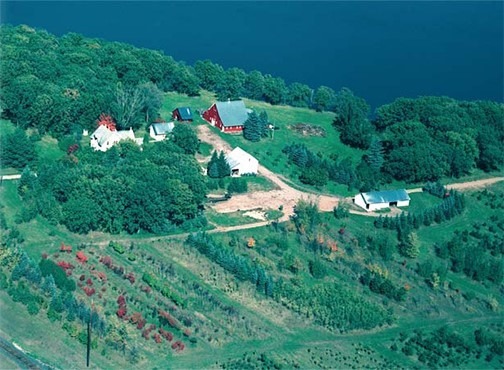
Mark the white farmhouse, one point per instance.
(376, 200)
(158, 131)
(104, 138)
(241, 163)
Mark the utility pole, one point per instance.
(88, 353)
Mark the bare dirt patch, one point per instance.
(307, 129)
(258, 215)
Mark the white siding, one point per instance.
(360, 201)
(404, 203)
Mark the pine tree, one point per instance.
(223, 165)
(375, 154)
(264, 123)
(212, 167)
(379, 222)
(252, 130)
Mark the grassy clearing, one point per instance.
(196, 103)
(9, 171)
(48, 150)
(421, 201)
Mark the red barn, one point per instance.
(228, 116)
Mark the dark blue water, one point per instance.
(380, 50)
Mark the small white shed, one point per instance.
(158, 131)
(375, 200)
(241, 162)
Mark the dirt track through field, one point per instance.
(286, 196)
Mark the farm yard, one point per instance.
(256, 285)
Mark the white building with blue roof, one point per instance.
(375, 200)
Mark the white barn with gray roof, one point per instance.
(241, 162)
(375, 200)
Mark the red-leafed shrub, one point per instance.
(169, 318)
(178, 346)
(121, 312)
(72, 148)
(107, 261)
(89, 291)
(82, 277)
(157, 338)
(65, 265)
(81, 257)
(121, 301)
(145, 288)
(141, 323)
(166, 334)
(135, 317)
(100, 275)
(89, 282)
(130, 276)
(107, 121)
(65, 248)
(145, 334)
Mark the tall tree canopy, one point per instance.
(351, 119)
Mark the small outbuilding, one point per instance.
(182, 114)
(158, 131)
(241, 163)
(228, 116)
(375, 200)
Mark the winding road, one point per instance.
(286, 196)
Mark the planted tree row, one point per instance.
(238, 265)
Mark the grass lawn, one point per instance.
(196, 103)
(421, 201)
(9, 171)
(48, 150)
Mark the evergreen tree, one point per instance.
(375, 154)
(213, 166)
(223, 165)
(264, 123)
(252, 130)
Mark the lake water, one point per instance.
(380, 50)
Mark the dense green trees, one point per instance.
(351, 119)
(431, 137)
(218, 166)
(185, 137)
(17, 150)
(54, 83)
(123, 189)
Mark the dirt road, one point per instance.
(286, 196)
